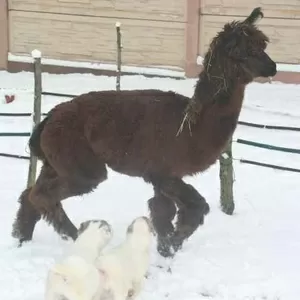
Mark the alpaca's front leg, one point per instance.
(192, 207)
(162, 212)
(191, 212)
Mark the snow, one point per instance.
(252, 255)
(36, 53)
(154, 70)
(225, 155)
(280, 67)
(288, 67)
(200, 60)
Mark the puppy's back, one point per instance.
(73, 278)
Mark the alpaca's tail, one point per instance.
(34, 140)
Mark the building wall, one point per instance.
(152, 30)
(3, 34)
(281, 23)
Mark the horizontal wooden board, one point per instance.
(283, 33)
(272, 8)
(164, 10)
(83, 38)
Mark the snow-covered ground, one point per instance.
(252, 255)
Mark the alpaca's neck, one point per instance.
(215, 89)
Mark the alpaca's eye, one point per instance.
(263, 45)
(236, 52)
(252, 51)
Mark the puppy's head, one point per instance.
(140, 226)
(75, 279)
(97, 230)
(100, 224)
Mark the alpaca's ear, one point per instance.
(255, 15)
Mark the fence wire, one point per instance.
(241, 141)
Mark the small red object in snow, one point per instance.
(9, 98)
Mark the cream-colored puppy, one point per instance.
(76, 277)
(125, 266)
(93, 236)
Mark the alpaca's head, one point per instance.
(239, 51)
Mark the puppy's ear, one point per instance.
(83, 226)
(105, 224)
(151, 225)
(152, 229)
(130, 228)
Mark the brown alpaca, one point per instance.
(156, 135)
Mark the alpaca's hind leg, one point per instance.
(162, 212)
(192, 207)
(51, 189)
(39, 201)
(45, 198)
(27, 217)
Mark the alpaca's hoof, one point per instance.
(71, 236)
(164, 247)
(206, 208)
(16, 232)
(177, 243)
(66, 238)
(21, 242)
(68, 233)
(165, 252)
(19, 235)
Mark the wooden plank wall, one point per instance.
(281, 24)
(84, 30)
(3, 35)
(155, 32)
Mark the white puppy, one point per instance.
(93, 236)
(76, 277)
(125, 266)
